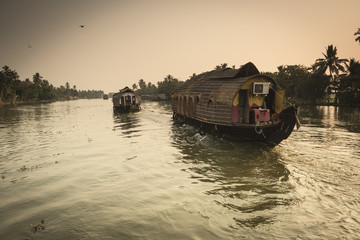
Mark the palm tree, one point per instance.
(357, 33)
(332, 63)
(352, 78)
(74, 91)
(142, 84)
(349, 87)
(37, 79)
(7, 79)
(352, 66)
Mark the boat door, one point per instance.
(240, 107)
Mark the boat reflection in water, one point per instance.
(247, 179)
(127, 123)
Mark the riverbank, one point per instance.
(37, 101)
(327, 104)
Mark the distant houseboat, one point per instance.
(105, 96)
(237, 104)
(126, 101)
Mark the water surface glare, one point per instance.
(93, 174)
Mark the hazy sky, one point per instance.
(124, 41)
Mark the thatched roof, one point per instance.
(124, 90)
(246, 70)
(221, 84)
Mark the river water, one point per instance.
(92, 174)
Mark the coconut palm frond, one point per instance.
(331, 51)
(358, 32)
(320, 60)
(330, 62)
(339, 67)
(343, 60)
(319, 68)
(357, 39)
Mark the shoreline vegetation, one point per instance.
(329, 81)
(37, 101)
(39, 90)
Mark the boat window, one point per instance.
(128, 100)
(197, 99)
(179, 105)
(191, 106)
(185, 106)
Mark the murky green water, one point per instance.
(93, 174)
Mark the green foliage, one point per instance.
(313, 89)
(301, 82)
(168, 85)
(8, 80)
(332, 63)
(163, 87)
(309, 85)
(12, 89)
(90, 94)
(222, 66)
(145, 89)
(291, 76)
(349, 88)
(312, 85)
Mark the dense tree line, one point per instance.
(166, 86)
(12, 89)
(330, 80)
(328, 76)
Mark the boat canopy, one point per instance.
(125, 96)
(212, 96)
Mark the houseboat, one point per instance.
(126, 101)
(239, 104)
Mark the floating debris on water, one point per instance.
(39, 226)
(23, 168)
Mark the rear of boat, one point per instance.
(288, 120)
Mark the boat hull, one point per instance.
(272, 133)
(126, 109)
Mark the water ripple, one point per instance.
(95, 174)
